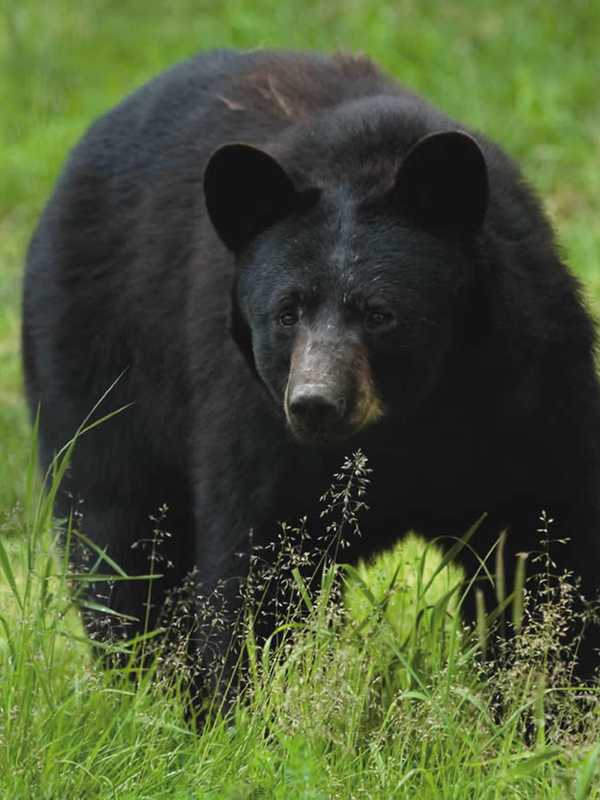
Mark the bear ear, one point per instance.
(443, 182)
(246, 190)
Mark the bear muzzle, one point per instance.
(330, 394)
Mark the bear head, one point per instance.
(349, 293)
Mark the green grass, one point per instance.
(384, 700)
(370, 706)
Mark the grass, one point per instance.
(372, 704)
(367, 702)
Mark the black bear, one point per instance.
(273, 259)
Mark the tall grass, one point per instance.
(379, 693)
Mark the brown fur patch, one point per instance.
(271, 89)
(369, 408)
(278, 97)
(294, 90)
(231, 104)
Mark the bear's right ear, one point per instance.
(246, 190)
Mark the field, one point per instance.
(369, 704)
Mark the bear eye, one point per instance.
(376, 318)
(288, 318)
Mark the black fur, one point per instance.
(480, 349)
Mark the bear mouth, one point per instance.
(332, 435)
(310, 437)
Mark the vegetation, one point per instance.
(383, 699)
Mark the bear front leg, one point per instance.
(140, 540)
(244, 593)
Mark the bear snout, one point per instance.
(330, 393)
(315, 410)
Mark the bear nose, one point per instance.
(315, 407)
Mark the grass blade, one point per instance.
(8, 573)
(300, 583)
(517, 595)
(106, 610)
(585, 776)
(451, 554)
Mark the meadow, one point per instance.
(386, 699)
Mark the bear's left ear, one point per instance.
(246, 190)
(443, 182)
